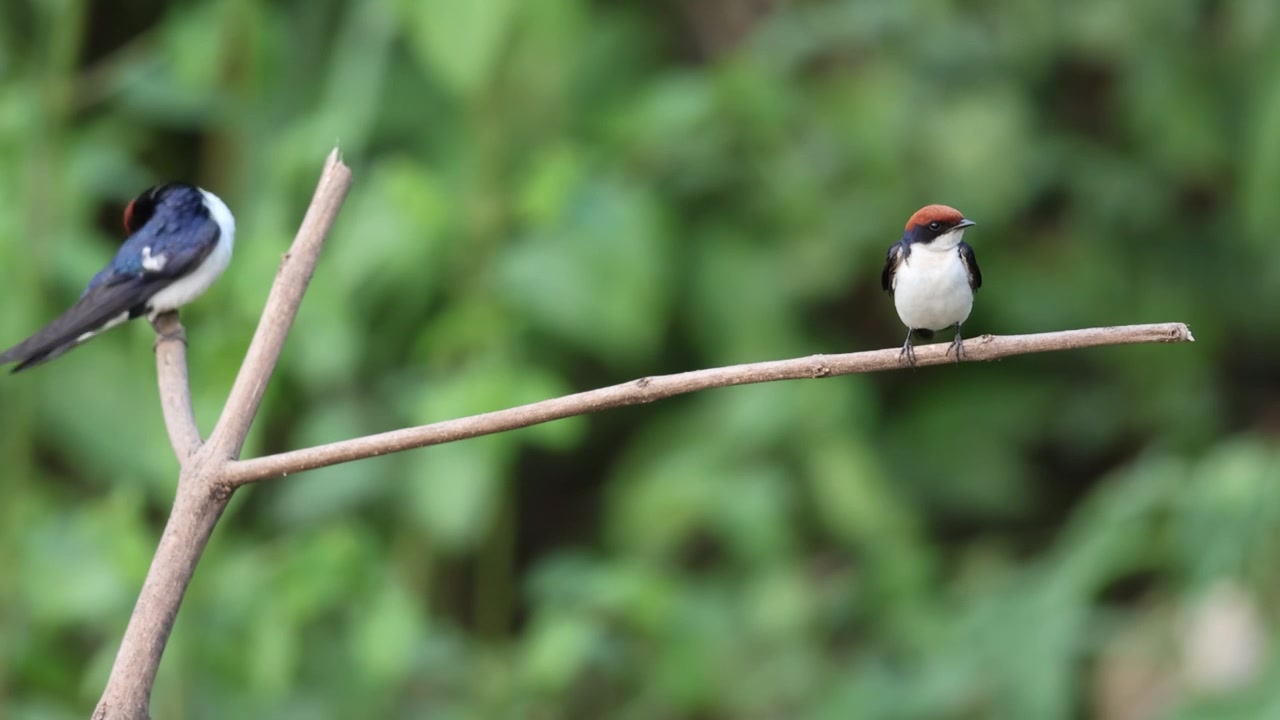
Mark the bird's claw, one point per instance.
(179, 336)
(958, 346)
(908, 353)
(168, 328)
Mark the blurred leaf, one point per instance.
(1261, 165)
(1228, 515)
(451, 489)
(595, 277)
(459, 41)
(556, 652)
(273, 657)
(389, 631)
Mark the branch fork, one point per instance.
(203, 488)
(211, 470)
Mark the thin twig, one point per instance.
(295, 273)
(644, 390)
(175, 391)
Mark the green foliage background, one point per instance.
(559, 195)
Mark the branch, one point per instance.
(210, 472)
(196, 510)
(645, 390)
(295, 273)
(175, 391)
(203, 492)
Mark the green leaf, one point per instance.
(452, 489)
(460, 41)
(389, 631)
(596, 275)
(557, 649)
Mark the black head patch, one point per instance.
(143, 208)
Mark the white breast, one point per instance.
(192, 286)
(931, 288)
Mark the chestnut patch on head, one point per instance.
(140, 209)
(928, 215)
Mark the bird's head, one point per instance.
(936, 227)
(177, 203)
(140, 209)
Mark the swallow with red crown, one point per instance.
(933, 275)
(180, 241)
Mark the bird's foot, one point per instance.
(957, 345)
(168, 327)
(908, 353)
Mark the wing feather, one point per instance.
(891, 262)
(971, 264)
(101, 306)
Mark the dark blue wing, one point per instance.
(121, 290)
(182, 247)
(971, 264)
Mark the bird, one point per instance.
(180, 239)
(933, 275)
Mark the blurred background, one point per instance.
(555, 196)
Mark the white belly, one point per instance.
(192, 286)
(931, 289)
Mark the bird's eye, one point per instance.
(935, 226)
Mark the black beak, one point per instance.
(964, 223)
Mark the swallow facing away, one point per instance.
(180, 241)
(933, 275)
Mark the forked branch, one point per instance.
(211, 471)
(203, 492)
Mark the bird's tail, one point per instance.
(27, 360)
(103, 306)
(45, 346)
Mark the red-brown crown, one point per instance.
(129, 227)
(140, 209)
(935, 213)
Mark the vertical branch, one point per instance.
(282, 307)
(175, 391)
(196, 510)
